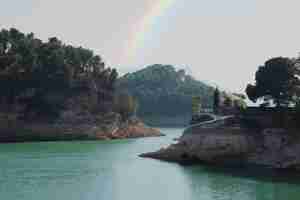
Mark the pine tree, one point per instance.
(216, 100)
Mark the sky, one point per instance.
(217, 41)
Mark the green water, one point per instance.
(111, 170)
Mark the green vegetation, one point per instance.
(228, 102)
(276, 80)
(216, 100)
(38, 78)
(164, 92)
(125, 104)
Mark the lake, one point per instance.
(112, 170)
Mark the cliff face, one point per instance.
(133, 128)
(84, 111)
(102, 127)
(274, 148)
(212, 145)
(82, 115)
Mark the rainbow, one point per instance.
(144, 26)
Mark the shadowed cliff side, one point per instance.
(232, 145)
(54, 91)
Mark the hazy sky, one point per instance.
(221, 41)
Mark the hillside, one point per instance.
(164, 94)
(54, 91)
(40, 80)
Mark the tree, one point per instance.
(242, 96)
(275, 80)
(239, 104)
(112, 78)
(31, 71)
(125, 104)
(216, 100)
(228, 101)
(160, 88)
(296, 115)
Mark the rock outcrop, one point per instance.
(234, 146)
(133, 128)
(104, 127)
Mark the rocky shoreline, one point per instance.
(235, 146)
(107, 128)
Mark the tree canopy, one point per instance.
(276, 80)
(125, 104)
(216, 100)
(31, 69)
(161, 90)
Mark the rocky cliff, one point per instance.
(50, 90)
(104, 127)
(235, 146)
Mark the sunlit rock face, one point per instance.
(274, 148)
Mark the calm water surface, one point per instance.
(111, 170)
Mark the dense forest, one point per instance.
(38, 79)
(162, 91)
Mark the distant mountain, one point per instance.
(164, 94)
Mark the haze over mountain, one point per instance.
(165, 94)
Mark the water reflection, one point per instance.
(112, 170)
(231, 183)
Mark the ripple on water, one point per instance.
(112, 170)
